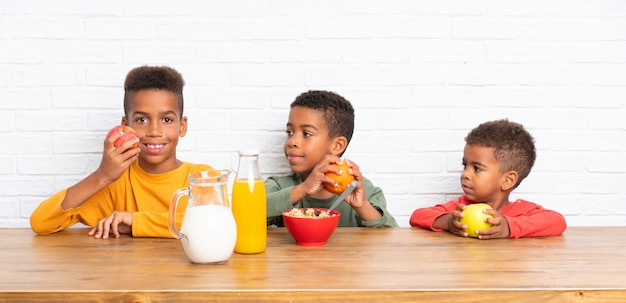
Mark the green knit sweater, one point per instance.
(279, 199)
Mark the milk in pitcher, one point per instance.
(209, 233)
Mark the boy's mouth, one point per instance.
(466, 188)
(154, 148)
(294, 158)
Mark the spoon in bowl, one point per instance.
(343, 195)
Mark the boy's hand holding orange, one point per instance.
(341, 181)
(355, 199)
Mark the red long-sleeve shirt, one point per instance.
(526, 219)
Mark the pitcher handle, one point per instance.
(171, 222)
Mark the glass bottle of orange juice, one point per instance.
(249, 205)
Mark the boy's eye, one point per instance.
(141, 120)
(168, 120)
(289, 132)
(307, 134)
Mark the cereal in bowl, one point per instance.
(308, 213)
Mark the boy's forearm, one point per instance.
(542, 224)
(83, 190)
(298, 193)
(442, 222)
(278, 201)
(367, 212)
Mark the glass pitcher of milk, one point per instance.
(208, 231)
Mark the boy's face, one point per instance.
(482, 179)
(307, 139)
(154, 115)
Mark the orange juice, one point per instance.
(249, 209)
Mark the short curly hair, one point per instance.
(153, 77)
(514, 147)
(338, 112)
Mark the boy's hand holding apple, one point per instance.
(122, 134)
(451, 222)
(474, 218)
(499, 226)
(121, 148)
(481, 221)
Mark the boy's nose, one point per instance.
(154, 130)
(291, 142)
(465, 174)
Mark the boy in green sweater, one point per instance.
(319, 129)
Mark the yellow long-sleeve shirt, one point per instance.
(146, 195)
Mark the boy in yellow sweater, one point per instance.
(130, 191)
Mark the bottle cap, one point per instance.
(248, 152)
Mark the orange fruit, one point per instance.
(342, 180)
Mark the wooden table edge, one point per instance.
(323, 295)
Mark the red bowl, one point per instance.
(311, 231)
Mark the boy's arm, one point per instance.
(377, 199)
(278, 194)
(49, 217)
(154, 224)
(76, 195)
(425, 217)
(115, 160)
(527, 219)
(368, 201)
(60, 210)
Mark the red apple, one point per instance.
(474, 218)
(125, 133)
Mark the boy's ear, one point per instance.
(183, 127)
(509, 180)
(339, 145)
(124, 121)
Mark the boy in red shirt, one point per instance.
(498, 155)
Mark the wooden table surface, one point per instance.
(585, 264)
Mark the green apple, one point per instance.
(474, 218)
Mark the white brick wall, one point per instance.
(420, 73)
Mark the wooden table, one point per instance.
(586, 264)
